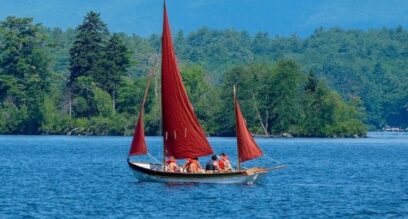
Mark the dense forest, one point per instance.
(90, 81)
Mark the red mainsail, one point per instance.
(247, 147)
(182, 134)
(138, 146)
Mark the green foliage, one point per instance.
(13, 118)
(101, 60)
(86, 56)
(54, 122)
(278, 99)
(87, 49)
(84, 99)
(326, 114)
(202, 95)
(24, 75)
(284, 92)
(103, 102)
(370, 64)
(195, 82)
(130, 95)
(100, 125)
(248, 79)
(106, 126)
(113, 66)
(89, 82)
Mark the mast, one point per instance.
(138, 146)
(235, 109)
(247, 147)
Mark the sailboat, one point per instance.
(183, 136)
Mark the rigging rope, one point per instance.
(270, 158)
(151, 156)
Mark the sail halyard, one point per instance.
(247, 147)
(183, 135)
(138, 146)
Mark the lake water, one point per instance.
(88, 177)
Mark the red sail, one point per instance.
(182, 134)
(138, 145)
(247, 147)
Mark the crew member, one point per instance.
(171, 165)
(212, 164)
(224, 162)
(193, 166)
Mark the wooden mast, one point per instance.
(235, 106)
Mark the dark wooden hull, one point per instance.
(148, 172)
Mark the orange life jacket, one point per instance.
(221, 164)
(189, 163)
(170, 161)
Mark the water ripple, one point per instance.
(87, 177)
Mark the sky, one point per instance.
(277, 17)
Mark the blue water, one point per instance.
(88, 177)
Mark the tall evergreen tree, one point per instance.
(113, 66)
(315, 93)
(88, 47)
(284, 92)
(24, 74)
(86, 54)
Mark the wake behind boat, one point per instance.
(183, 136)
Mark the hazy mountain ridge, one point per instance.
(371, 65)
(143, 17)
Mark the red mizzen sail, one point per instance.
(182, 134)
(247, 147)
(138, 146)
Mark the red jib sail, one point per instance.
(247, 147)
(182, 134)
(138, 146)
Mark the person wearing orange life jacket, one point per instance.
(213, 164)
(187, 165)
(192, 166)
(171, 165)
(224, 162)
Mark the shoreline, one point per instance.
(212, 136)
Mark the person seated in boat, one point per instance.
(213, 165)
(224, 163)
(171, 165)
(186, 165)
(192, 166)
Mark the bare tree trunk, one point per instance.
(156, 92)
(70, 106)
(259, 115)
(113, 102)
(266, 120)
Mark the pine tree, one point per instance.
(86, 54)
(313, 106)
(88, 47)
(113, 66)
(284, 94)
(24, 75)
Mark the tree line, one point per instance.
(90, 81)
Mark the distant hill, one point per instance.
(370, 66)
(365, 58)
(143, 17)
